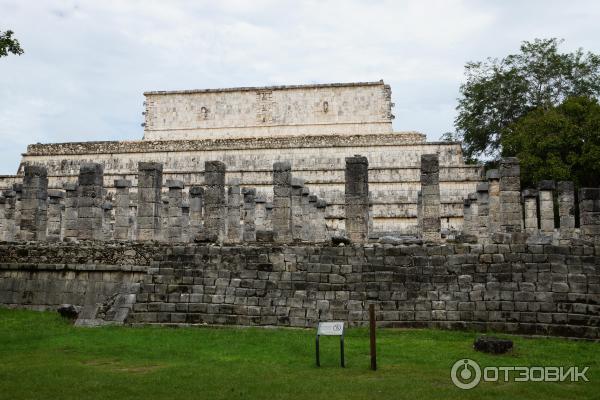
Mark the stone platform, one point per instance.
(511, 287)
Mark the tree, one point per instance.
(497, 93)
(8, 44)
(449, 137)
(560, 143)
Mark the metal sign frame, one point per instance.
(334, 332)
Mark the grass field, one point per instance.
(43, 357)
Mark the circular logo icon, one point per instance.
(465, 374)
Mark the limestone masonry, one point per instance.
(343, 109)
(289, 205)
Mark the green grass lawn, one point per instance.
(44, 357)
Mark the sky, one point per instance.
(87, 63)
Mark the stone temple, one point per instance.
(290, 205)
(315, 127)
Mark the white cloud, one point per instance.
(88, 62)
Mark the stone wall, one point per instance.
(101, 279)
(510, 287)
(47, 286)
(269, 111)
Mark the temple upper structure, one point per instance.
(273, 111)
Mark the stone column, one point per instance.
(305, 214)
(249, 214)
(297, 218)
(122, 227)
(108, 225)
(149, 201)
(282, 201)
(566, 209)
(175, 230)
(214, 204)
(313, 217)
(55, 210)
(185, 220)
(430, 190)
(546, 189)
(356, 200)
(493, 177)
(589, 214)
(3, 220)
(268, 216)
(419, 213)
(196, 206)
(234, 230)
(322, 234)
(18, 189)
(70, 223)
(483, 210)
(90, 201)
(9, 233)
(2, 216)
(467, 217)
(371, 214)
(474, 212)
(164, 216)
(511, 215)
(530, 205)
(34, 206)
(260, 212)
(133, 221)
(10, 227)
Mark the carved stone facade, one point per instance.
(338, 108)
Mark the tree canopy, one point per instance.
(560, 143)
(498, 93)
(8, 44)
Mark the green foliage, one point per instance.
(449, 137)
(560, 143)
(43, 357)
(8, 44)
(497, 93)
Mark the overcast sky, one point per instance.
(86, 63)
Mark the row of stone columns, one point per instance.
(80, 212)
(498, 205)
(33, 212)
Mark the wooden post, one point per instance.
(318, 354)
(372, 327)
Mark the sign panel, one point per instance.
(333, 328)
